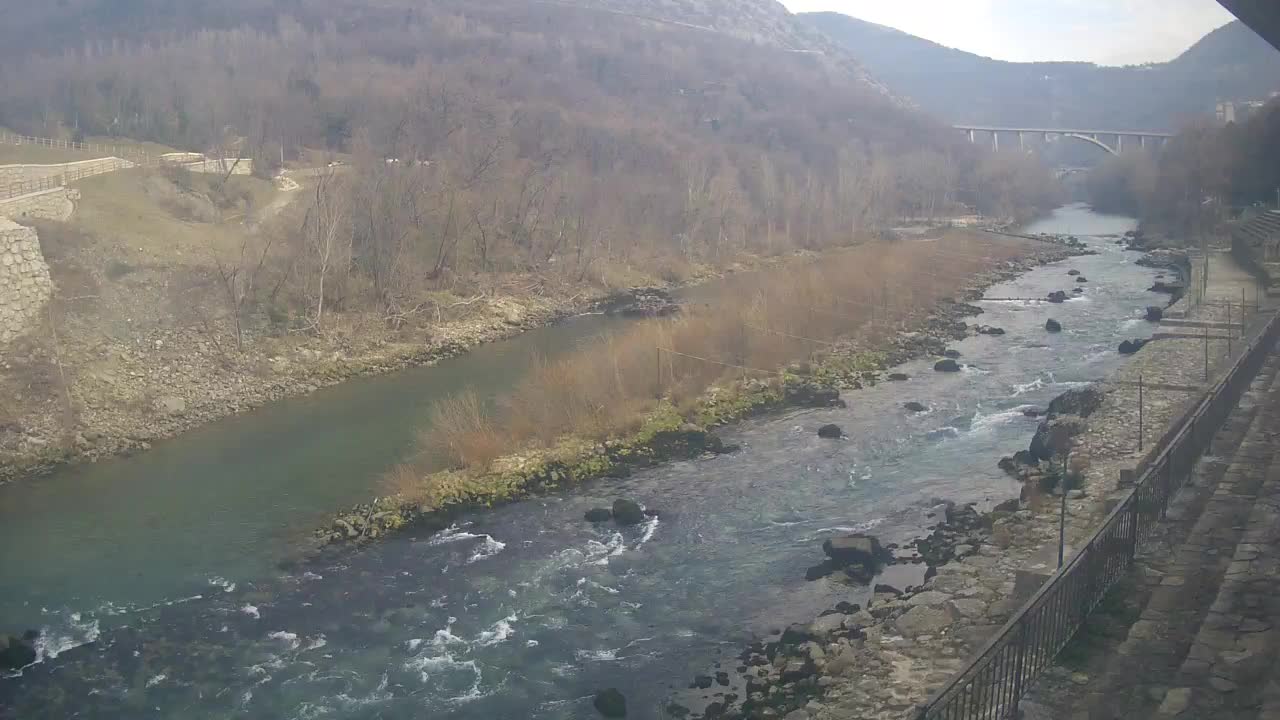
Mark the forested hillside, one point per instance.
(1200, 175)
(526, 135)
(1230, 63)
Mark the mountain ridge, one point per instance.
(1229, 63)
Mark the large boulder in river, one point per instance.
(1073, 272)
(1052, 325)
(830, 432)
(610, 703)
(989, 330)
(860, 555)
(627, 512)
(1155, 313)
(689, 441)
(813, 395)
(1057, 296)
(1082, 279)
(17, 652)
(596, 515)
(914, 407)
(1129, 347)
(947, 365)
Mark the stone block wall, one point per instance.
(55, 204)
(11, 174)
(25, 286)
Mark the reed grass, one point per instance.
(854, 300)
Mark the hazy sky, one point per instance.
(1111, 32)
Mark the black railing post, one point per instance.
(1019, 669)
(1133, 526)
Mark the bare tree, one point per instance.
(327, 235)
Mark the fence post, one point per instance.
(1140, 399)
(1019, 669)
(1206, 352)
(1133, 526)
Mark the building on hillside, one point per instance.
(1238, 111)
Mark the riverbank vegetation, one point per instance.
(467, 170)
(766, 340)
(1198, 178)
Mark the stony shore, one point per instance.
(667, 435)
(883, 661)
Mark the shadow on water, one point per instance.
(524, 611)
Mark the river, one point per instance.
(161, 568)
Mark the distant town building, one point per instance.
(1238, 111)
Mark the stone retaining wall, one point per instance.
(54, 204)
(25, 286)
(11, 174)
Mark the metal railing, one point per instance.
(70, 173)
(998, 675)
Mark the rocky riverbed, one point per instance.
(881, 661)
(529, 609)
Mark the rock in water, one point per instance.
(598, 515)
(1052, 325)
(1129, 347)
(914, 407)
(859, 548)
(610, 703)
(830, 432)
(850, 548)
(627, 512)
(1155, 313)
(812, 395)
(898, 377)
(947, 365)
(953, 354)
(989, 330)
(1082, 279)
(1073, 272)
(1057, 296)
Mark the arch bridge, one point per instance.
(1094, 137)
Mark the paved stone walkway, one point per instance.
(1208, 584)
